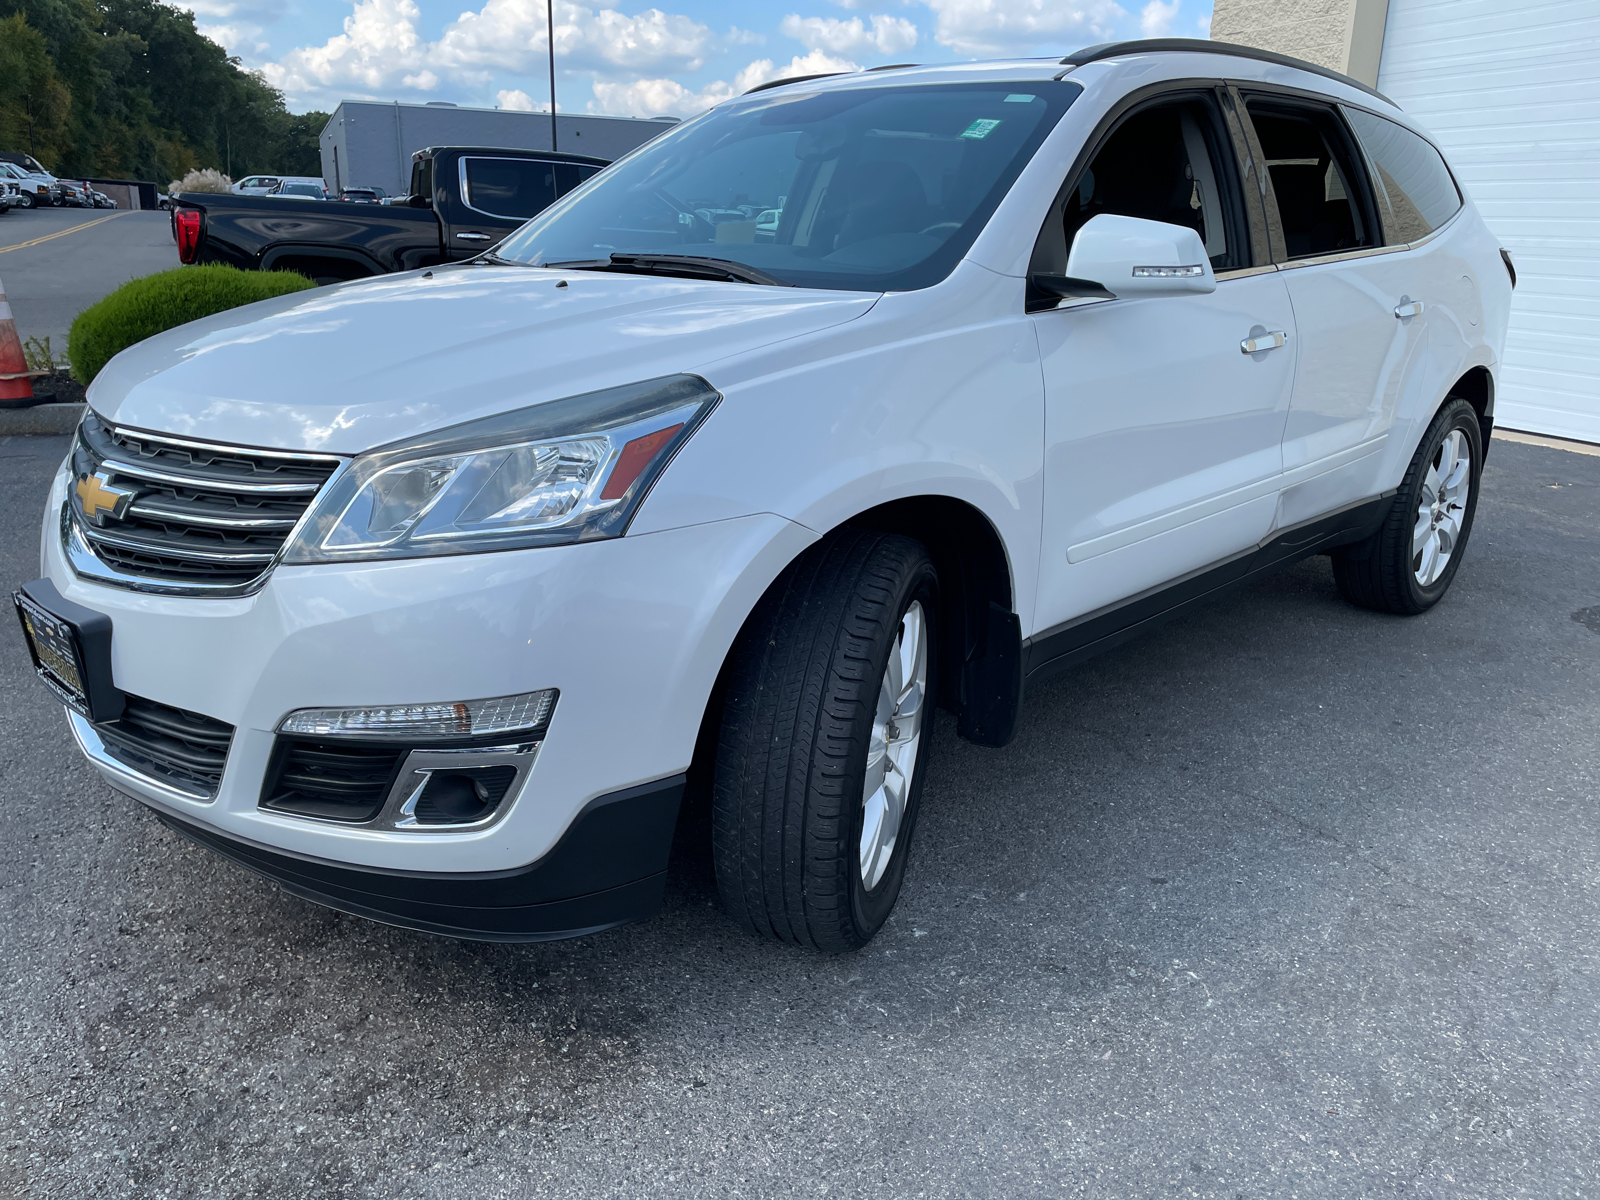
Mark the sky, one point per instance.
(638, 61)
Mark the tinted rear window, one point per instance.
(508, 187)
(1416, 194)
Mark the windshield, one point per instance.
(869, 189)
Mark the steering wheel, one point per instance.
(696, 222)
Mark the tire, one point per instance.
(802, 705)
(1388, 572)
(28, 201)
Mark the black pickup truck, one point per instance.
(463, 200)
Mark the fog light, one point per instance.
(461, 797)
(526, 713)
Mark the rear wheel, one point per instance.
(1408, 564)
(824, 742)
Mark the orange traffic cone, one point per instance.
(16, 381)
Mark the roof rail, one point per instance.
(1091, 54)
(772, 83)
(894, 67)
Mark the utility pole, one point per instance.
(550, 29)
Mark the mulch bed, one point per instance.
(56, 388)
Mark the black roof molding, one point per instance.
(1091, 54)
(894, 67)
(773, 83)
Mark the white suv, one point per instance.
(429, 595)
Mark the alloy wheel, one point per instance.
(1441, 508)
(892, 752)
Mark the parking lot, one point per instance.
(57, 261)
(1286, 899)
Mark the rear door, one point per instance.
(1357, 298)
(491, 196)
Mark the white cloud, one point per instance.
(887, 35)
(996, 28)
(519, 101)
(509, 35)
(1156, 18)
(236, 38)
(379, 45)
(668, 97)
(1205, 25)
(656, 97)
(381, 50)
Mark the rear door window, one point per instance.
(1320, 192)
(512, 188)
(1416, 193)
(570, 175)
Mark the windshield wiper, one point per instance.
(697, 266)
(688, 266)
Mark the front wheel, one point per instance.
(1408, 564)
(824, 742)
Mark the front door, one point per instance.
(1163, 436)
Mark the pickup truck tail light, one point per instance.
(186, 232)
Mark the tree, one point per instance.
(129, 88)
(34, 104)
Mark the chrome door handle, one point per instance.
(1408, 308)
(473, 237)
(1260, 339)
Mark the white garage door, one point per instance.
(1511, 91)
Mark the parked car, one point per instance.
(360, 196)
(10, 196)
(256, 185)
(101, 200)
(299, 191)
(463, 201)
(75, 194)
(431, 596)
(36, 188)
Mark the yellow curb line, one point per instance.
(1550, 443)
(59, 233)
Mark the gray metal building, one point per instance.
(369, 144)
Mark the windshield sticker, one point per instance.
(1020, 97)
(980, 129)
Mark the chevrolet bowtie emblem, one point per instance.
(98, 497)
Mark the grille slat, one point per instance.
(206, 516)
(195, 514)
(173, 745)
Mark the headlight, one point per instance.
(570, 470)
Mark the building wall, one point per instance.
(368, 144)
(1343, 35)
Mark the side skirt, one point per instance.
(1082, 638)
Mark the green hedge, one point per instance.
(146, 307)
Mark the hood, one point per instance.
(343, 369)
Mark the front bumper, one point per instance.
(632, 631)
(608, 869)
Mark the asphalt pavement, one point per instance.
(1286, 899)
(55, 262)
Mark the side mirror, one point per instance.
(418, 202)
(1129, 256)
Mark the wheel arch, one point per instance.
(980, 630)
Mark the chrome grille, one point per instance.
(185, 516)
